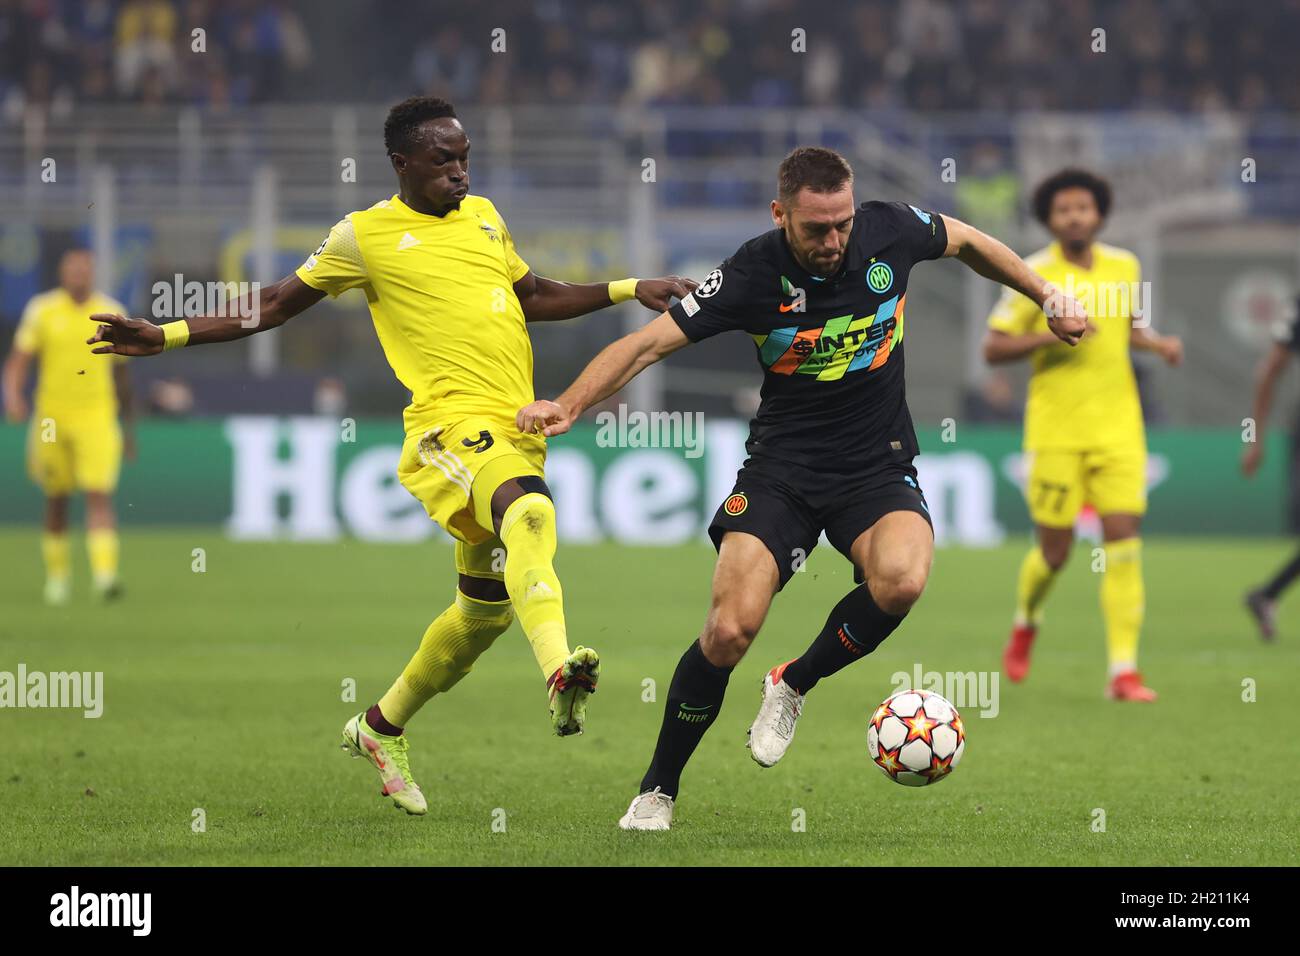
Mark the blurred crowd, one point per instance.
(56, 54)
(877, 54)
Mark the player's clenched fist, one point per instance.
(1067, 319)
(658, 294)
(123, 336)
(549, 418)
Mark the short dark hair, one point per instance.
(405, 118)
(812, 167)
(1070, 178)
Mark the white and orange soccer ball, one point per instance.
(916, 738)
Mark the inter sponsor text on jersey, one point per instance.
(831, 349)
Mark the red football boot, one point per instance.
(1015, 659)
(1128, 686)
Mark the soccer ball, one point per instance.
(916, 738)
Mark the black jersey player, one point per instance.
(1262, 602)
(823, 298)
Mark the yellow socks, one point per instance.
(1036, 577)
(58, 556)
(1123, 602)
(101, 546)
(528, 532)
(449, 648)
(1122, 598)
(466, 629)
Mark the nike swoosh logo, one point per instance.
(786, 308)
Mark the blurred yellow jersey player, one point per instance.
(74, 441)
(1084, 437)
(449, 297)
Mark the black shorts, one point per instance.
(787, 506)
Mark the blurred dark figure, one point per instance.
(1262, 602)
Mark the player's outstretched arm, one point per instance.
(125, 407)
(17, 366)
(1168, 347)
(1002, 347)
(615, 366)
(1266, 378)
(268, 308)
(549, 300)
(992, 259)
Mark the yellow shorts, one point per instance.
(74, 453)
(1060, 482)
(442, 466)
(487, 559)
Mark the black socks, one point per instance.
(1282, 581)
(694, 699)
(854, 629)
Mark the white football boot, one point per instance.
(58, 591)
(773, 728)
(649, 811)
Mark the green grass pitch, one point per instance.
(223, 693)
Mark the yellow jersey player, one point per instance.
(449, 296)
(1084, 436)
(75, 441)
